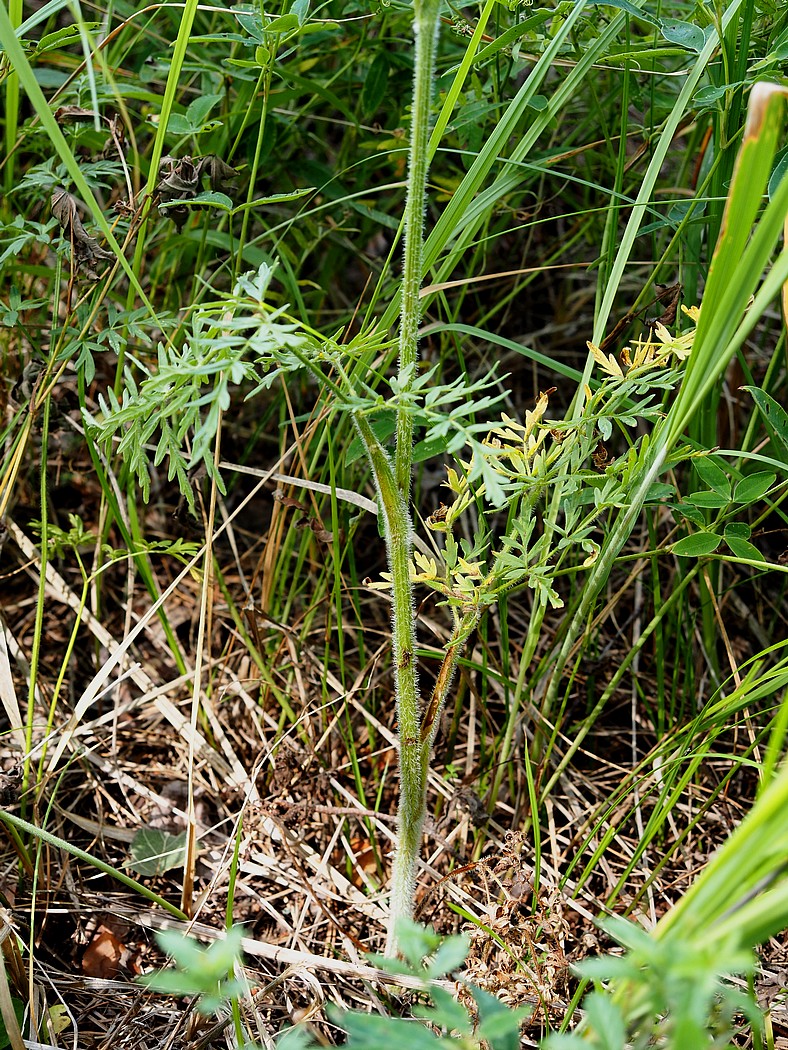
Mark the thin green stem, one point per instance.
(54, 840)
(35, 655)
(264, 82)
(12, 100)
(577, 622)
(529, 648)
(65, 662)
(170, 90)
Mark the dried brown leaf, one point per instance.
(86, 249)
(103, 955)
(75, 115)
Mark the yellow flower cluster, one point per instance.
(653, 352)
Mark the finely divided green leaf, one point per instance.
(450, 956)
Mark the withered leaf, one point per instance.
(75, 115)
(103, 955)
(289, 501)
(116, 142)
(221, 175)
(669, 298)
(86, 250)
(179, 181)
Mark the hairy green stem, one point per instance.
(412, 768)
(393, 482)
(426, 21)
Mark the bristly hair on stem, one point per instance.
(426, 23)
(413, 751)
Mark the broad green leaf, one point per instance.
(685, 34)
(606, 1020)
(740, 529)
(498, 1023)
(707, 500)
(743, 548)
(212, 198)
(198, 110)
(178, 124)
(697, 546)
(752, 487)
(205, 972)
(606, 968)
(627, 933)
(19, 1010)
(416, 942)
(170, 982)
(774, 415)
(660, 490)
(502, 1030)
(779, 172)
(153, 851)
(283, 24)
(66, 37)
(373, 1032)
(249, 18)
(58, 1018)
(396, 966)
(688, 512)
(708, 95)
(88, 858)
(298, 1038)
(446, 1013)
(274, 198)
(713, 475)
(300, 8)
